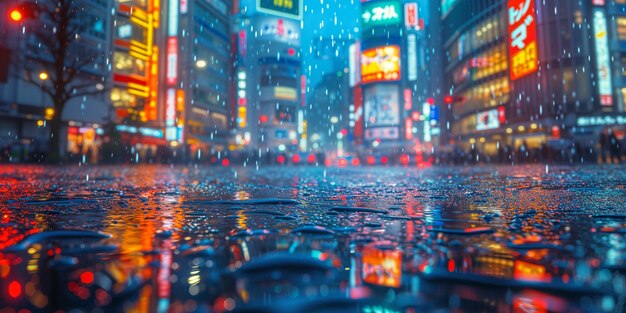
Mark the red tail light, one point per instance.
(404, 159)
(356, 162)
(384, 160)
(225, 162)
(311, 158)
(371, 160)
(343, 162)
(295, 158)
(280, 159)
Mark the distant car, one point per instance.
(376, 160)
(345, 160)
(303, 158)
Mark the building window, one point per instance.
(621, 27)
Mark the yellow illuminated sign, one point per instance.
(380, 64)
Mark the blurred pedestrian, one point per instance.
(604, 144)
(523, 152)
(614, 149)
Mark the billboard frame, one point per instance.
(282, 14)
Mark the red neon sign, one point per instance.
(522, 38)
(172, 60)
(410, 15)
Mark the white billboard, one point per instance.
(488, 120)
(382, 106)
(277, 29)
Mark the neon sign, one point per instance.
(381, 13)
(522, 38)
(172, 60)
(380, 64)
(603, 59)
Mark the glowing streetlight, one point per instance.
(16, 15)
(43, 76)
(201, 64)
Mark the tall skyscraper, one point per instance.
(268, 82)
(396, 77)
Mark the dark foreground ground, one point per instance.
(371, 240)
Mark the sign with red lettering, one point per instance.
(522, 38)
(410, 16)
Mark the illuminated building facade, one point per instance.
(198, 76)
(136, 70)
(25, 110)
(267, 102)
(532, 74)
(394, 75)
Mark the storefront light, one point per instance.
(533, 126)
(509, 130)
(521, 128)
(483, 139)
(472, 141)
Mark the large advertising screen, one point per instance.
(380, 13)
(380, 64)
(381, 106)
(488, 120)
(278, 29)
(284, 8)
(522, 38)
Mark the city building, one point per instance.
(329, 116)
(395, 77)
(533, 77)
(198, 77)
(171, 73)
(134, 96)
(26, 67)
(268, 86)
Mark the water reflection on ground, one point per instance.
(140, 239)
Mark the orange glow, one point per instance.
(380, 64)
(15, 289)
(16, 15)
(382, 267)
(530, 272)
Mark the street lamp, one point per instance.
(43, 76)
(16, 15)
(201, 64)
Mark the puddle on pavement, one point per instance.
(142, 239)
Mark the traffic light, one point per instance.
(448, 100)
(23, 11)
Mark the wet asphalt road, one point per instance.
(278, 239)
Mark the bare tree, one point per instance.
(55, 46)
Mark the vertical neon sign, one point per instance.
(522, 38)
(603, 61)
